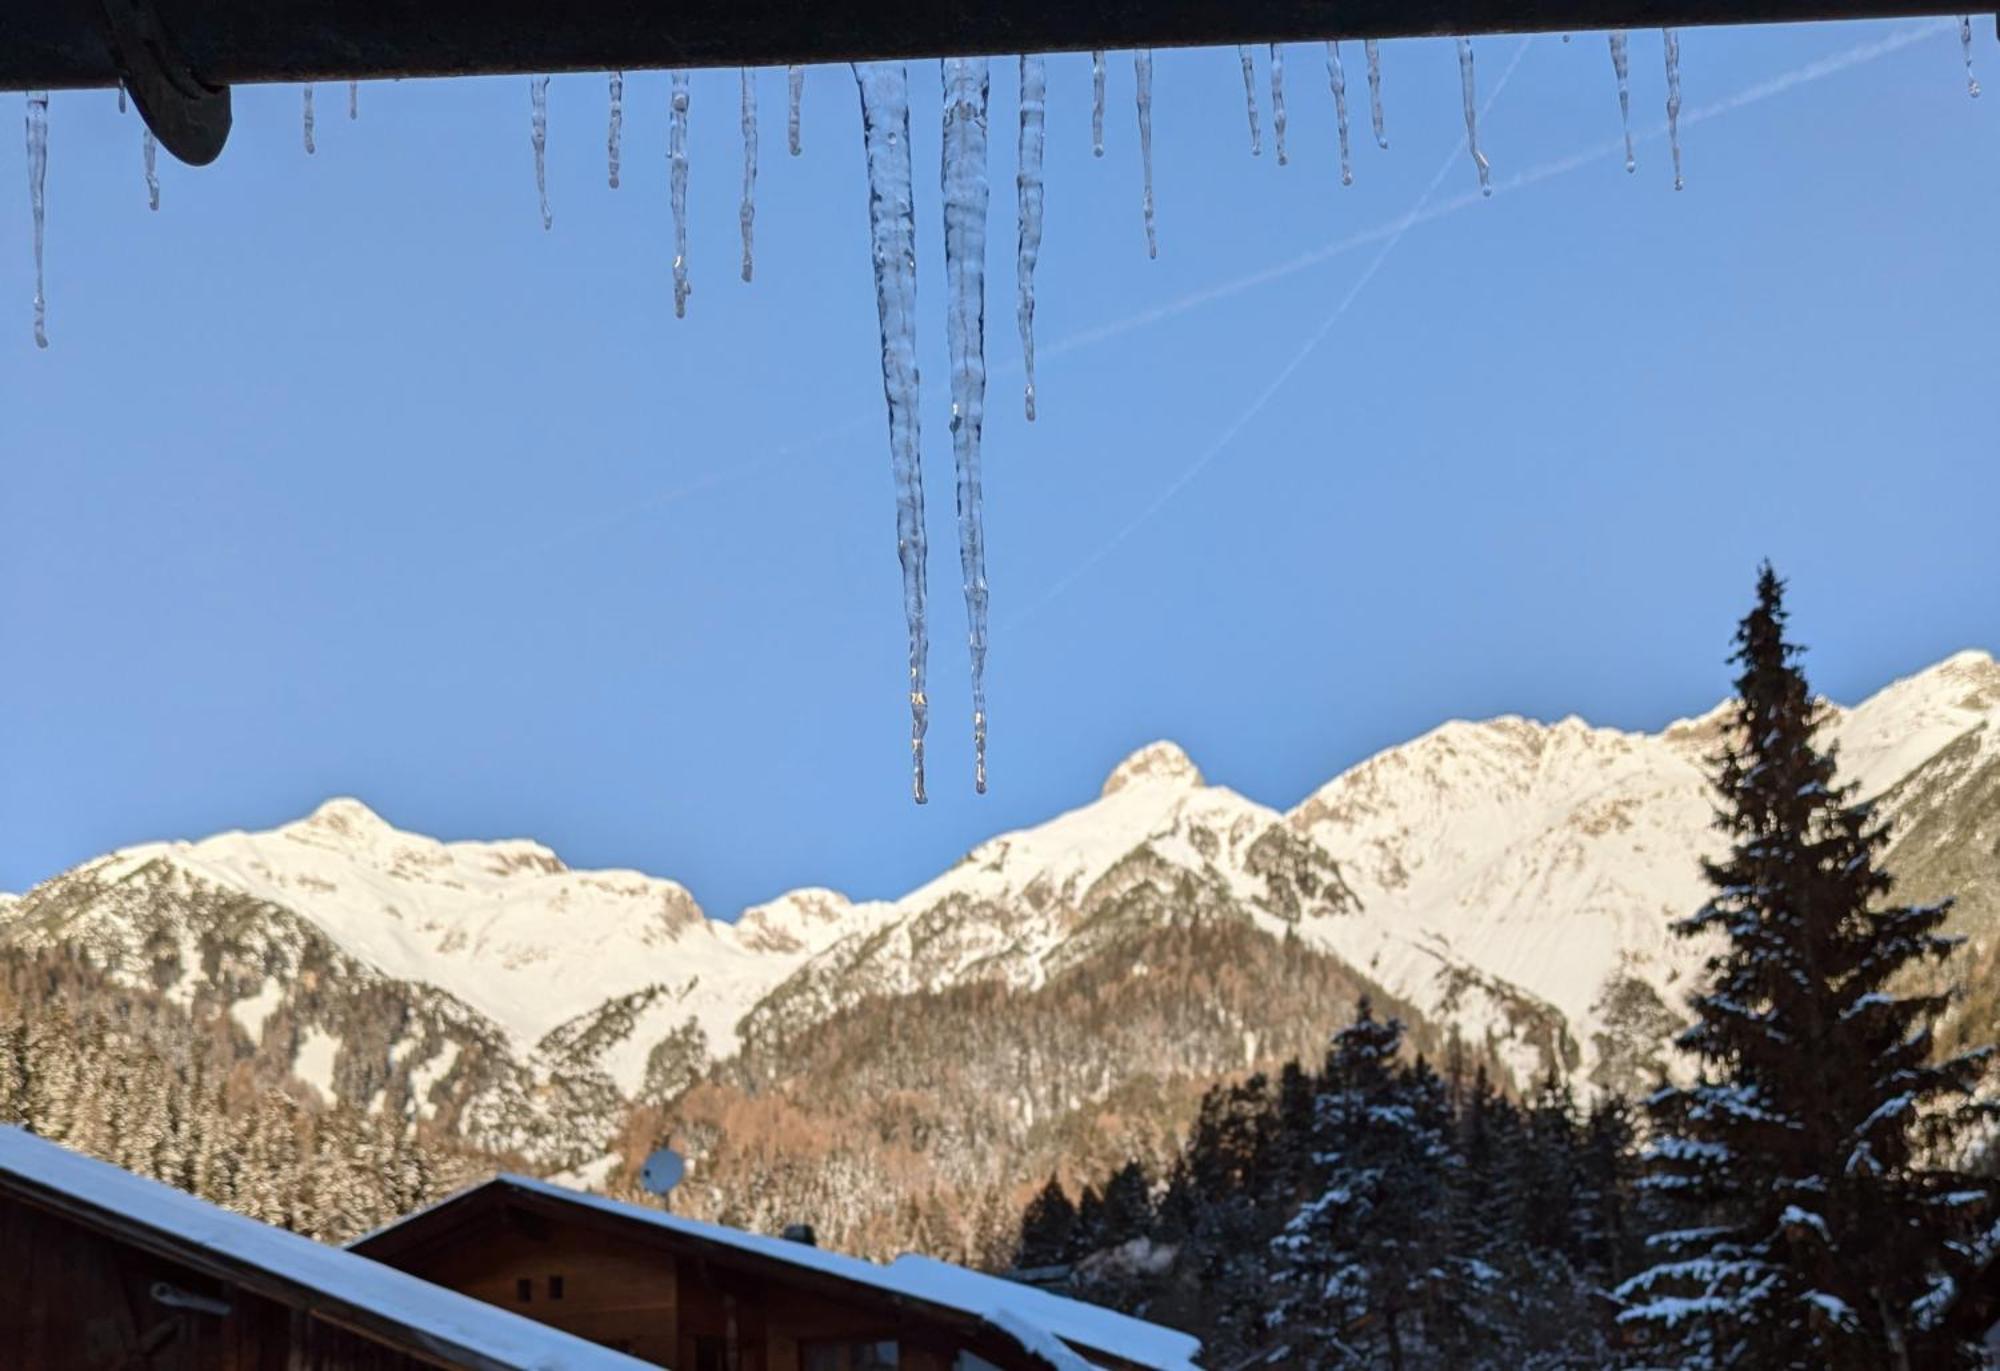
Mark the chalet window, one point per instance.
(878, 1355)
(524, 1289)
(555, 1287)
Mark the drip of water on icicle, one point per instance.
(308, 108)
(1471, 93)
(677, 157)
(1142, 71)
(150, 146)
(1621, 64)
(963, 174)
(38, 176)
(892, 232)
(1250, 99)
(746, 214)
(1278, 102)
(538, 95)
(1336, 77)
(1374, 51)
(1965, 42)
(1674, 100)
(615, 135)
(1097, 102)
(1034, 110)
(795, 83)
(353, 99)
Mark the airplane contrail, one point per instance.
(1391, 233)
(1286, 372)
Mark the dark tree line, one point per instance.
(1800, 1196)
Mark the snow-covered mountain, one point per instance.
(1511, 878)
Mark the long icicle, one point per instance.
(615, 136)
(1336, 77)
(151, 147)
(1471, 93)
(962, 174)
(308, 107)
(1028, 182)
(1674, 100)
(746, 214)
(1278, 101)
(677, 158)
(121, 97)
(892, 232)
(1965, 42)
(1097, 102)
(795, 84)
(1374, 51)
(38, 177)
(1142, 71)
(353, 99)
(1621, 65)
(1250, 99)
(538, 96)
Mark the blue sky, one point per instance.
(343, 477)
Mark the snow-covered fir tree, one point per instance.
(1822, 1222)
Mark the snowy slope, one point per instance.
(503, 926)
(1514, 877)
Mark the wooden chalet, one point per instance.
(105, 1269)
(701, 1297)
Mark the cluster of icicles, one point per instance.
(885, 121)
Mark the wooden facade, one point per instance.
(692, 1296)
(101, 1270)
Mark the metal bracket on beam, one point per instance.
(190, 117)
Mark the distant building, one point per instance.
(105, 1269)
(701, 1297)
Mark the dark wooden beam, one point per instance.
(56, 44)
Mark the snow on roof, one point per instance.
(197, 1227)
(1033, 1318)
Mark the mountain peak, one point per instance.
(347, 817)
(1156, 763)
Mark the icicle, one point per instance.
(353, 100)
(1097, 103)
(1250, 99)
(152, 151)
(1278, 101)
(795, 79)
(538, 93)
(747, 214)
(892, 227)
(1034, 102)
(309, 119)
(38, 175)
(1965, 42)
(121, 96)
(1621, 64)
(677, 156)
(1142, 71)
(616, 135)
(963, 176)
(1374, 51)
(1336, 76)
(1471, 93)
(1674, 100)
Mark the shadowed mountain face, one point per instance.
(1060, 995)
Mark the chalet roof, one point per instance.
(1044, 1325)
(399, 1309)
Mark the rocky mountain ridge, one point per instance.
(1508, 880)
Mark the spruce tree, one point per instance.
(1823, 1222)
(1048, 1228)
